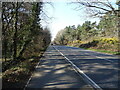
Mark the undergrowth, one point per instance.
(18, 75)
(106, 45)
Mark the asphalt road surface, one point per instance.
(101, 68)
(54, 72)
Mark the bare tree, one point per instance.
(98, 8)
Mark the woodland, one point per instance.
(102, 36)
(24, 41)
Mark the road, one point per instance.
(101, 68)
(54, 72)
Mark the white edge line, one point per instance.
(100, 53)
(88, 80)
(104, 59)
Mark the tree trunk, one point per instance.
(23, 48)
(15, 34)
(4, 36)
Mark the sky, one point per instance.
(64, 14)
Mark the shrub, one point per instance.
(109, 40)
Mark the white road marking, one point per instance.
(104, 59)
(80, 72)
(100, 57)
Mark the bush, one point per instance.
(110, 44)
(109, 40)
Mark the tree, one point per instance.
(108, 26)
(98, 8)
(22, 31)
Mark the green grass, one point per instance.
(100, 50)
(104, 51)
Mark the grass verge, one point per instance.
(104, 51)
(18, 75)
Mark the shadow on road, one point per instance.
(103, 72)
(54, 72)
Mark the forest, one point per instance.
(101, 36)
(24, 41)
